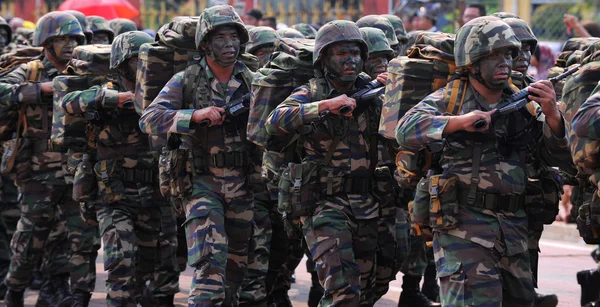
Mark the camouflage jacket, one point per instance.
(16, 93)
(584, 127)
(501, 173)
(119, 140)
(351, 156)
(168, 113)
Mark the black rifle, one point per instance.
(371, 91)
(234, 108)
(519, 99)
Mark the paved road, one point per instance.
(559, 262)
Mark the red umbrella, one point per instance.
(108, 9)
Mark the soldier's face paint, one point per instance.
(495, 69)
(376, 64)
(343, 61)
(263, 54)
(3, 37)
(523, 60)
(63, 47)
(100, 38)
(223, 45)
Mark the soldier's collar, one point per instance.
(237, 69)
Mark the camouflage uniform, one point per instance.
(341, 233)
(100, 25)
(40, 177)
(8, 45)
(290, 33)
(121, 25)
(261, 37)
(400, 32)
(87, 31)
(383, 24)
(219, 208)
(137, 225)
(484, 263)
(306, 30)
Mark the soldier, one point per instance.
(122, 25)
(290, 33)
(306, 30)
(103, 34)
(379, 22)
(87, 31)
(536, 169)
(219, 203)
(39, 171)
(128, 202)
(340, 225)
(261, 43)
(474, 180)
(400, 32)
(380, 52)
(5, 36)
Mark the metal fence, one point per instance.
(547, 19)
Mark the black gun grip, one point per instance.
(204, 123)
(345, 109)
(479, 124)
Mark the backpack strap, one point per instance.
(457, 87)
(33, 71)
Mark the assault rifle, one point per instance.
(371, 91)
(234, 108)
(519, 99)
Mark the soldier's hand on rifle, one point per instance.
(333, 105)
(46, 88)
(547, 100)
(467, 121)
(382, 77)
(125, 100)
(215, 115)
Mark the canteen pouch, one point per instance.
(298, 189)
(164, 173)
(88, 213)
(410, 166)
(385, 192)
(419, 207)
(443, 201)
(588, 220)
(85, 185)
(178, 165)
(109, 175)
(541, 201)
(15, 152)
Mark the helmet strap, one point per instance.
(477, 75)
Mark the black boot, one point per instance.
(62, 295)
(46, 294)
(430, 288)
(588, 280)
(279, 298)
(166, 301)
(3, 290)
(316, 291)
(411, 296)
(147, 299)
(550, 300)
(81, 299)
(14, 298)
(37, 280)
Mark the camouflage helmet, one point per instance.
(376, 41)
(127, 45)
(522, 31)
(122, 25)
(398, 27)
(480, 37)
(261, 37)
(503, 15)
(290, 33)
(55, 24)
(87, 31)
(6, 26)
(100, 25)
(338, 31)
(219, 15)
(306, 30)
(379, 22)
(249, 27)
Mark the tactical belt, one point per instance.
(40, 146)
(494, 202)
(140, 175)
(229, 159)
(349, 185)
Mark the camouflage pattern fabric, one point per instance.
(376, 42)
(136, 251)
(522, 31)
(216, 16)
(307, 30)
(100, 25)
(398, 28)
(83, 22)
(126, 46)
(23, 38)
(261, 37)
(290, 33)
(121, 25)
(56, 24)
(382, 23)
(219, 212)
(504, 15)
(336, 31)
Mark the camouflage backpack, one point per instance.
(10, 61)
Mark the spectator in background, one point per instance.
(407, 21)
(252, 17)
(268, 22)
(542, 59)
(578, 29)
(424, 20)
(473, 11)
(16, 23)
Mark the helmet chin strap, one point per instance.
(477, 76)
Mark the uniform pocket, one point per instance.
(443, 204)
(109, 175)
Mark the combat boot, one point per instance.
(430, 288)
(81, 299)
(541, 300)
(62, 296)
(316, 291)
(14, 298)
(37, 280)
(166, 301)
(3, 290)
(147, 299)
(46, 294)
(589, 280)
(411, 296)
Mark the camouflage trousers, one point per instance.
(218, 234)
(533, 245)
(472, 275)
(41, 232)
(9, 216)
(344, 251)
(284, 260)
(253, 291)
(416, 260)
(140, 245)
(385, 271)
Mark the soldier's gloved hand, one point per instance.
(382, 77)
(468, 120)
(125, 100)
(216, 115)
(333, 105)
(46, 88)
